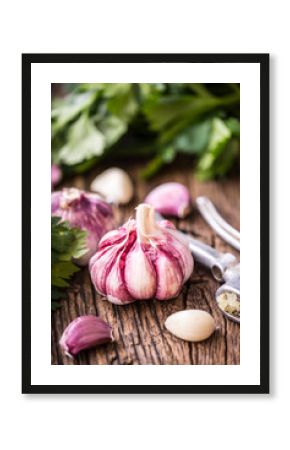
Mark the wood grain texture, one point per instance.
(138, 328)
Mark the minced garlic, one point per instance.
(228, 302)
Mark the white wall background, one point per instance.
(72, 422)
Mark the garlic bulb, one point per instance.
(86, 211)
(192, 325)
(115, 185)
(141, 260)
(171, 199)
(85, 332)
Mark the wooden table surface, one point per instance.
(138, 328)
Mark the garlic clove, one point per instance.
(85, 332)
(185, 258)
(192, 325)
(169, 275)
(116, 289)
(115, 185)
(139, 274)
(101, 267)
(171, 199)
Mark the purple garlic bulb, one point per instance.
(143, 259)
(85, 332)
(86, 211)
(172, 199)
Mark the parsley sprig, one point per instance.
(67, 244)
(157, 121)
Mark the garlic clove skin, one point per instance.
(115, 185)
(191, 325)
(85, 332)
(170, 277)
(185, 258)
(115, 287)
(172, 199)
(100, 268)
(142, 285)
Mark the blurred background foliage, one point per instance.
(105, 121)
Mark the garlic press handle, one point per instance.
(217, 223)
(216, 261)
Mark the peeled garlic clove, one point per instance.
(115, 185)
(85, 332)
(172, 199)
(192, 325)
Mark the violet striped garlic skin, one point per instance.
(172, 199)
(86, 211)
(85, 332)
(141, 260)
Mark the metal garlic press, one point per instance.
(228, 295)
(224, 266)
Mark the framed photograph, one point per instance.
(145, 223)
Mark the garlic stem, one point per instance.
(145, 221)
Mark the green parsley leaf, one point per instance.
(84, 142)
(194, 139)
(66, 244)
(213, 163)
(123, 103)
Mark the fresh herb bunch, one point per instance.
(66, 243)
(95, 121)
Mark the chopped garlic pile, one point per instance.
(228, 302)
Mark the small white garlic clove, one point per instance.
(172, 199)
(115, 185)
(192, 325)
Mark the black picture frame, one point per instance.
(27, 60)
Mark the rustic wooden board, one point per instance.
(138, 328)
